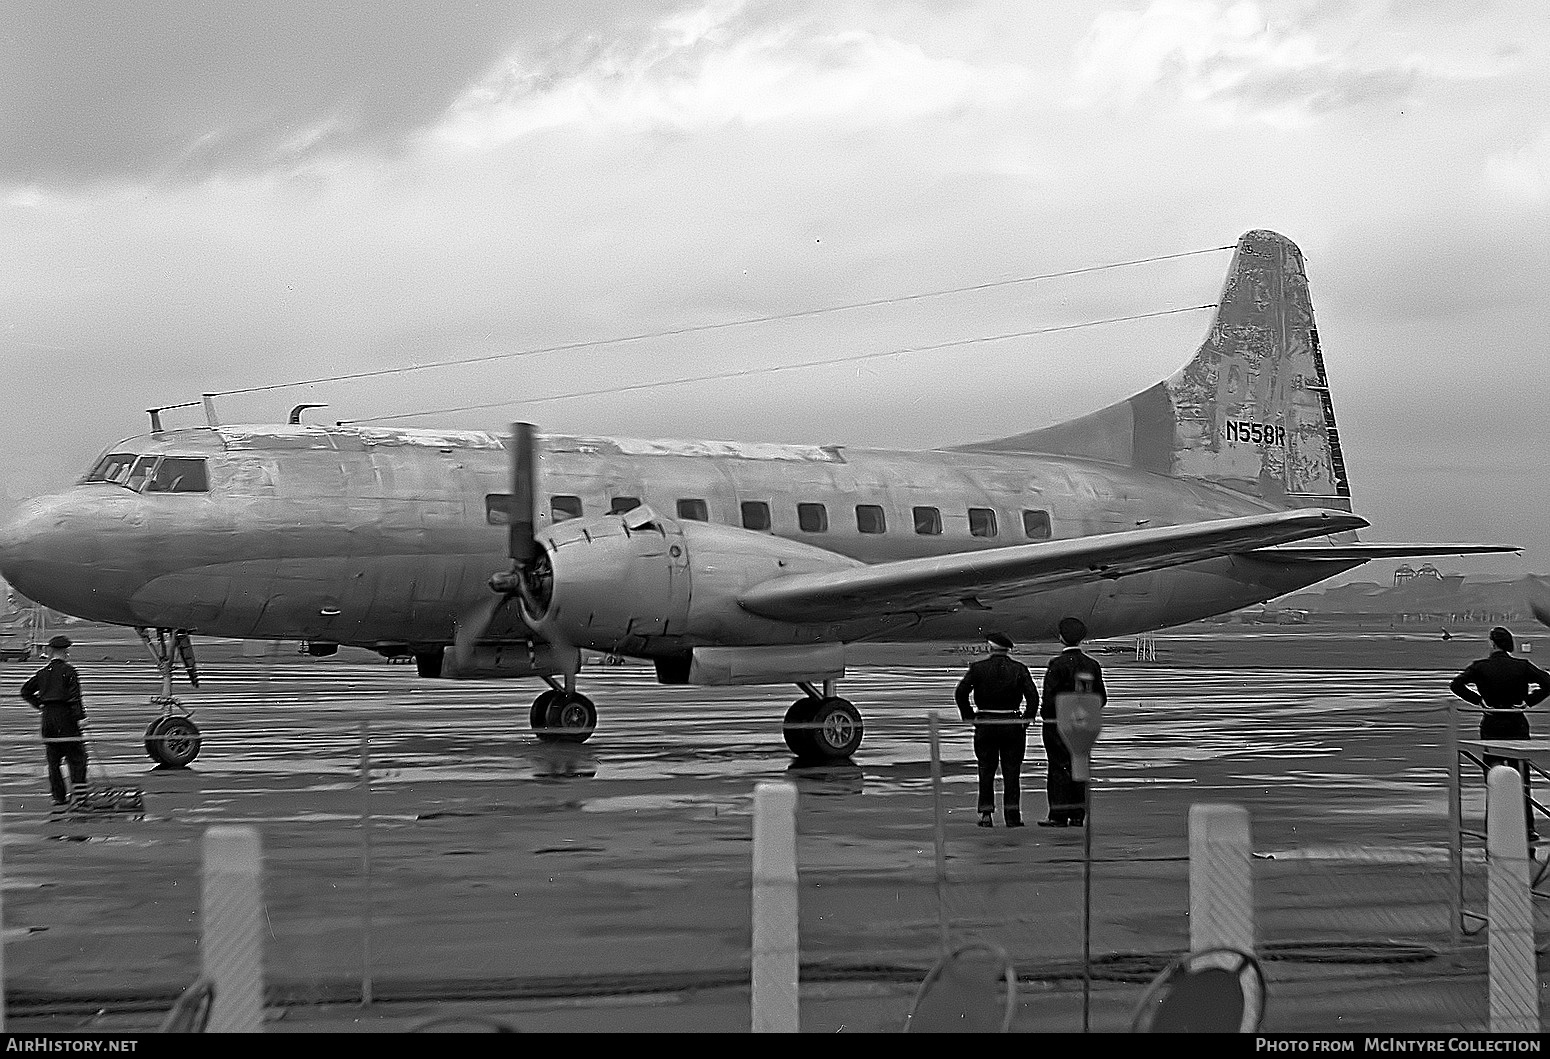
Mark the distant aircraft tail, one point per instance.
(1251, 412)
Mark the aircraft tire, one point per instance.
(173, 741)
(837, 730)
(800, 740)
(152, 744)
(538, 716)
(570, 719)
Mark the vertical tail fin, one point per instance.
(1251, 412)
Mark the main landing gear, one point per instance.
(562, 714)
(172, 738)
(821, 727)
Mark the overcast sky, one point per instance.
(199, 197)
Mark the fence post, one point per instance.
(233, 941)
(775, 956)
(1514, 988)
(2, 914)
(1221, 882)
(366, 925)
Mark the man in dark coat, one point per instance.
(1071, 670)
(1000, 684)
(1500, 683)
(55, 692)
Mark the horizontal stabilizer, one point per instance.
(947, 583)
(1361, 552)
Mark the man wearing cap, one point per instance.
(999, 684)
(1500, 683)
(55, 692)
(1071, 670)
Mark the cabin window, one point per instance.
(694, 510)
(620, 504)
(870, 519)
(928, 521)
(1036, 525)
(564, 508)
(498, 508)
(812, 518)
(756, 515)
(179, 474)
(982, 522)
(113, 468)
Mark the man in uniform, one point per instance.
(1071, 670)
(1500, 683)
(55, 692)
(999, 684)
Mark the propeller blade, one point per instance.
(471, 628)
(524, 494)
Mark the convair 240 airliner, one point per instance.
(485, 555)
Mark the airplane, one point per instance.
(722, 563)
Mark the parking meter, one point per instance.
(1079, 716)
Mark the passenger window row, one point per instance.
(811, 518)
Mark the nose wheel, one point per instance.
(172, 740)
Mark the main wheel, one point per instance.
(173, 741)
(570, 719)
(836, 731)
(799, 738)
(538, 716)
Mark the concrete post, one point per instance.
(775, 956)
(1221, 882)
(2, 915)
(233, 941)
(1514, 987)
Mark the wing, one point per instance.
(948, 582)
(1361, 551)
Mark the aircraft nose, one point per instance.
(53, 551)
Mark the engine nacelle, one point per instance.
(642, 584)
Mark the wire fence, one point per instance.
(475, 870)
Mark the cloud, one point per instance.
(1521, 173)
(719, 64)
(1234, 60)
(178, 89)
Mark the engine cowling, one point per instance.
(643, 584)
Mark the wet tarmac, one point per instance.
(605, 886)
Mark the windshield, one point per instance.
(114, 467)
(152, 473)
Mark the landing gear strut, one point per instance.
(562, 714)
(822, 727)
(172, 738)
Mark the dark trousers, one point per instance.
(1000, 741)
(1067, 797)
(1509, 726)
(62, 742)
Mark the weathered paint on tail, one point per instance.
(1251, 412)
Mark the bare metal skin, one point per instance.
(1181, 502)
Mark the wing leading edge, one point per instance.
(948, 582)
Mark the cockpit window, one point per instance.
(113, 467)
(139, 472)
(179, 474)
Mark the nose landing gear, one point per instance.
(172, 738)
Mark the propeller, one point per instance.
(529, 581)
(1539, 600)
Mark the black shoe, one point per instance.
(1533, 836)
(1014, 823)
(1052, 823)
(986, 821)
(1075, 823)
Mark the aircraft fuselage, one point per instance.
(384, 538)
